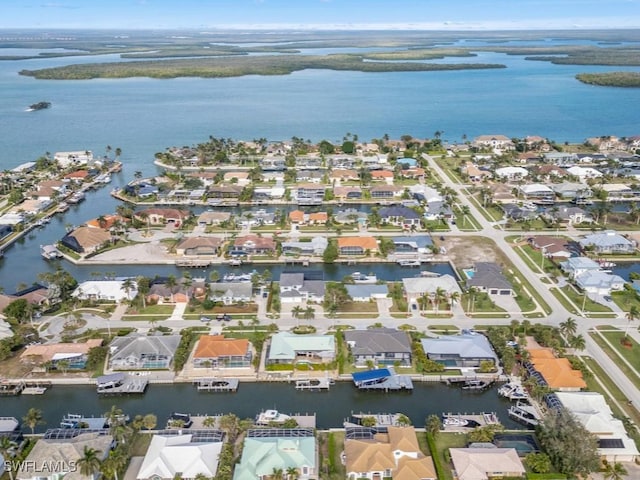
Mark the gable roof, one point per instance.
(122, 347)
(378, 340)
(284, 345)
(465, 346)
(477, 463)
(404, 212)
(214, 346)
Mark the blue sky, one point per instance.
(440, 14)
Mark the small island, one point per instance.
(611, 79)
(39, 106)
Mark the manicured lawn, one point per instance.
(445, 441)
(562, 299)
(479, 303)
(359, 307)
(631, 374)
(578, 298)
(632, 355)
(626, 299)
(466, 222)
(152, 310)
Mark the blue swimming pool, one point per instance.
(524, 443)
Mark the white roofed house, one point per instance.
(537, 191)
(568, 215)
(606, 242)
(109, 290)
(496, 142)
(142, 352)
(69, 159)
(600, 283)
(460, 351)
(576, 266)
(584, 173)
(287, 347)
(511, 173)
(230, 293)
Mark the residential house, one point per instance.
(382, 176)
(49, 190)
(214, 218)
(224, 191)
(555, 373)
(412, 172)
(401, 216)
(560, 158)
(496, 142)
(317, 218)
(347, 193)
(393, 454)
(425, 194)
(5, 231)
(310, 194)
(86, 240)
(343, 175)
(606, 242)
(367, 292)
(254, 245)
(79, 176)
(143, 352)
(296, 217)
(195, 246)
(230, 293)
(296, 287)
(106, 290)
(278, 450)
(53, 459)
(475, 173)
(184, 456)
(414, 244)
(537, 143)
(287, 347)
(351, 216)
(517, 213)
(162, 216)
(556, 248)
(592, 411)
(501, 193)
(511, 173)
(599, 283)
(480, 463)
(584, 173)
(550, 172)
(381, 346)
(575, 266)
(488, 277)
(36, 295)
(215, 351)
(568, 190)
(618, 191)
(568, 215)
(460, 351)
(417, 287)
(316, 246)
(142, 189)
(537, 191)
(69, 159)
(241, 178)
(438, 211)
(309, 176)
(75, 354)
(357, 245)
(163, 290)
(107, 222)
(386, 191)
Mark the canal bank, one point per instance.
(331, 407)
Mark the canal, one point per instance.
(331, 407)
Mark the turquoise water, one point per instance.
(469, 272)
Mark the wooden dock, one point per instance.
(217, 384)
(314, 384)
(464, 421)
(193, 263)
(11, 387)
(120, 384)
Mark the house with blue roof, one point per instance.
(367, 292)
(599, 283)
(460, 351)
(576, 266)
(608, 241)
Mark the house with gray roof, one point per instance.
(231, 292)
(401, 216)
(367, 292)
(142, 352)
(287, 347)
(316, 246)
(488, 277)
(459, 351)
(296, 288)
(382, 346)
(351, 215)
(608, 241)
(413, 244)
(575, 266)
(599, 283)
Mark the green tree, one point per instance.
(33, 418)
(7, 449)
(614, 471)
(368, 421)
(484, 434)
(149, 421)
(577, 342)
(90, 462)
(538, 462)
(568, 327)
(433, 425)
(330, 253)
(632, 314)
(17, 311)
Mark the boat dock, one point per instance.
(216, 384)
(314, 384)
(471, 383)
(384, 379)
(11, 387)
(121, 383)
(463, 421)
(193, 263)
(381, 419)
(525, 413)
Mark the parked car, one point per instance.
(204, 318)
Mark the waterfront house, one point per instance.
(344, 175)
(254, 245)
(349, 246)
(351, 216)
(499, 142)
(569, 190)
(537, 191)
(184, 456)
(53, 459)
(70, 159)
(474, 173)
(413, 244)
(555, 373)
(556, 248)
(36, 295)
(86, 240)
(224, 191)
(618, 191)
(367, 292)
(287, 347)
(215, 351)
(194, 246)
(141, 189)
(106, 222)
(49, 189)
(599, 283)
(241, 178)
(296, 288)
(316, 246)
(278, 450)
(162, 216)
(162, 291)
(482, 463)
(460, 351)
(511, 173)
(417, 287)
(77, 177)
(560, 158)
(75, 354)
(400, 216)
(575, 266)
(143, 352)
(309, 194)
(607, 242)
(309, 176)
(568, 215)
(347, 193)
(488, 277)
(393, 454)
(214, 218)
(381, 346)
(584, 173)
(106, 290)
(592, 411)
(385, 191)
(296, 217)
(501, 193)
(230, 293)
(382, 176)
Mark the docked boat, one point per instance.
(605, 263)
(358, 277)
(179, 420)
(76, 198)
(380, 419)
(530, 206)
(455, 422)
(34, 390)
(73, 420)
(513, 391)
(524, 413)
(270, 417)
(104, 178)
(476, 384)
(62, 207)
(409, 263)
(50, 252)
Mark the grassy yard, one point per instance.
(151, 310)
(479, 303)
(359, 307)
(626, 299)
(445, 441)
(631, 374)
(466, 222)
(491, 213)
(533, 256)
(578, 298)
(632, 355)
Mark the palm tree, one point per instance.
(209, 422)
(127, 286)
(292, 473)
(171, 283)
(296, 311)
(33, 418)
(89, 463)
(309, 313)
(632, 314)
(7, 447)
(149, 421)
(614, 471)
(214, 276)
(115, 462)
(577, 342)
(277, 474)
(433, 425)
(568, 327)
(114, 416)
(438, 296)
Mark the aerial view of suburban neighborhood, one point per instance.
(440, 280)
